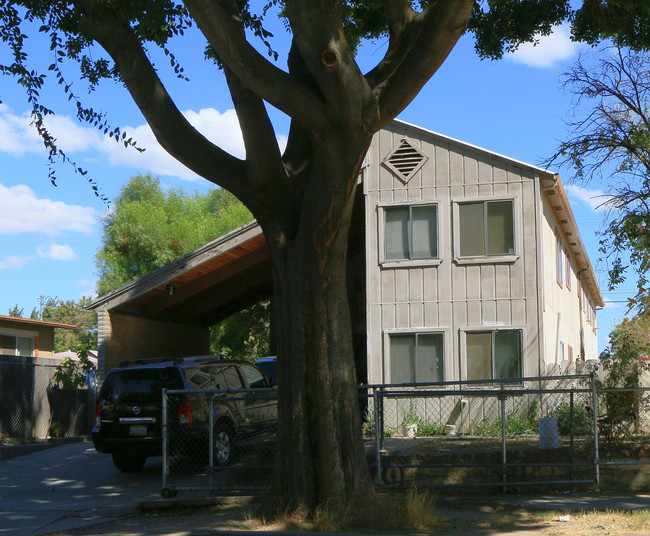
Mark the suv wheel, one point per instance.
(128, 463)
(224, 444)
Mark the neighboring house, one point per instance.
(27, 364)
(92, 356)
(463, 264)
(27, 337)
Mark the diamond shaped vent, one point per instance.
(405, 161)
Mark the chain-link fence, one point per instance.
(31, 410)
(504, 434)
(218, 440)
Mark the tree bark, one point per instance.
(321, 459)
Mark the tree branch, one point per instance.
(417, 52)
(252, 69)
(172, 130)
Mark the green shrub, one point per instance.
(582, 421)
(427, 428)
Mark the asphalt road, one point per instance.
(69, 486)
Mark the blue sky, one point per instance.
(49, 235)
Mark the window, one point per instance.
(570, 353)
(559, 259)
(416, 358)
(561, 351)
(486, 228)
(568, 269)
(411, 232)
(16, 345)
(493, 354)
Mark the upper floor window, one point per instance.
(416, 357)
(486, 228)
(559, 259)
(568, 269)
(411, 232)
(493, 354)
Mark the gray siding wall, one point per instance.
(450, 295)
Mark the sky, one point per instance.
(50, 234)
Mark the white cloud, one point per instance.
(13, 262)
(593, 198)
(21, 211)
(87, 287)
(57, 252)
(17, 137)
(549, 49)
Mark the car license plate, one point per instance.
(137, 430)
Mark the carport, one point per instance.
(169, 311)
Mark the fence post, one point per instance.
(164, 439)
(502, 399)
(594, 416)
(378, 434)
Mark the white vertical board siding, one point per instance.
(448, 296)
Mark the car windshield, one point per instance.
(138, 386)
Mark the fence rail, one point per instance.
(534, 431)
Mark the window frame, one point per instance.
(567, 269)
(492, 330)
(446, 358)
(501, 258)
(381, 238)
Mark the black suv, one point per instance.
(128, 414)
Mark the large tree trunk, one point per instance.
(320, 455)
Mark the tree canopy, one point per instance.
(147, 227)
(301, 196)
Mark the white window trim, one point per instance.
(471, 329)
(447, 355)
(487, 259)
(381, 235)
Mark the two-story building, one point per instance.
(463, 264)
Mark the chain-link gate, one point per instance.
(218, 440)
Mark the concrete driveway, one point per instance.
(69, 486)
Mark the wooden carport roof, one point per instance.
(202, 287)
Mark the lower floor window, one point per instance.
(493, 354)
(416, 358)
(13, 345)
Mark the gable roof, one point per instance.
(233, 271)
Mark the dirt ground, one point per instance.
(446, 521)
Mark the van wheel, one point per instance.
(224, 444)
(128, 464)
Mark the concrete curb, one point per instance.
(11, 451)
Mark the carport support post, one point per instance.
(378, 434)
(502, 399)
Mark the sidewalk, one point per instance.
(189, 517)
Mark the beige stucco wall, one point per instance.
(449, 295)
(564, 319)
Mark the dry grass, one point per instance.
(416, 512)
(370, 512)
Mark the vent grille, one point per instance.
(405, 161)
